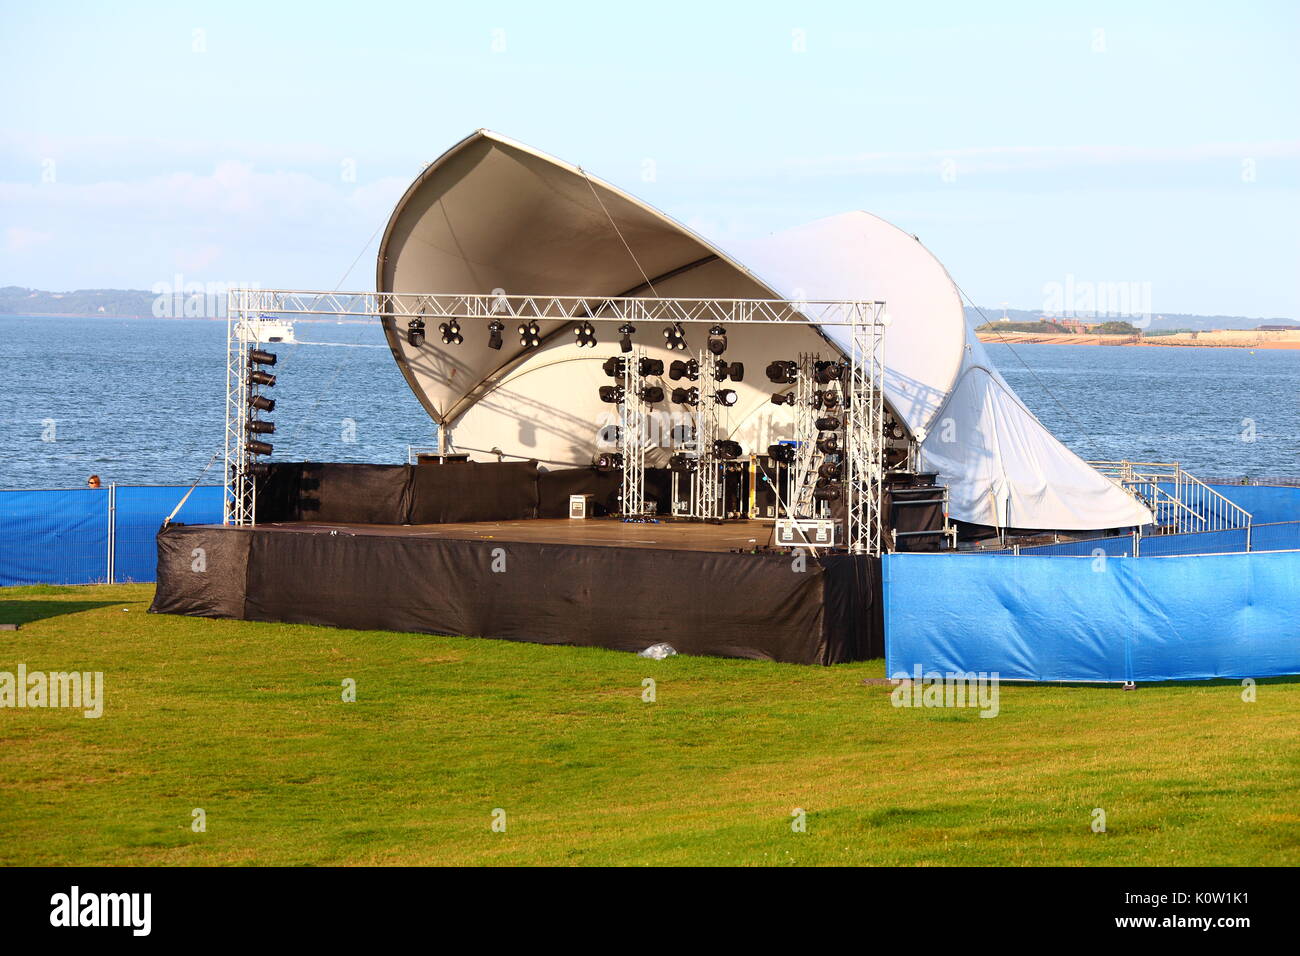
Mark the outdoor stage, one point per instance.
(597, 582)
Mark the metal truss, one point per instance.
(805, 435)
(864, 439)
(708, 470)
(842, 312)
(632, 436)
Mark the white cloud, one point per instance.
(20, 238)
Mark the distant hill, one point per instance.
(139, 303)
(112, 303)
(1165, 322)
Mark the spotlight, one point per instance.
(827, 399)
(651, 394)
(651, 366)
(784, 454)
(725, 396)
(786, 399)
(261, 428)
(680, 370)
(586, 333)
(415, 333)
(614, 366)
(826, 372)
(530, 335)
(730, 370)
(495, 328)
(610, 461)
(828, 445)
(726, 449)
(783, 372)
(259, 447)
(625, 342)
(262, 403)
(451, 333)
(831, 471)
(612, 394)
(262, 378)
(258, 357)
(675, 337)
(825, 491)
(895, 431)
(686, 396)
(682, 464)
(717, 340)
(828, 424)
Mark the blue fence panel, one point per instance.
(1267, 504)
(1275, 537)
(1052, 618)
(1198, 542)
(54, 537)
(1111, 547)
(140, 513)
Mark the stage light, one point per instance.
(675, 337)
(530, 335)
(612, 394)
(451, 333)
(827, 399)
(828, 424)
(786, 399)
(586, 334)
(825, 491)
(262, 403)
(258, 357)
(730, 370)
(831, 471)
(262, 378)
(651, 366)
(680, 370)
(686, 396)
(726, 396)
(261, 428)
(682, 464)
(826, 372)
(717, 340)
(495, 328)
(625, 342)
(610, 461)
(828, 445)
(783, 372)
(651, 394)
(895, 431)
(726, 449)
(259, 447)
(785, 454)
(415, 333)
(614, 366)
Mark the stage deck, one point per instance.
(592, 532)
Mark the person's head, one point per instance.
(94, 482)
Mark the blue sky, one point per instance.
(1023, 142)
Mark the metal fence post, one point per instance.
(112, 529)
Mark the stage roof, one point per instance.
(493, 214)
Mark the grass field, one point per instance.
(247, 722)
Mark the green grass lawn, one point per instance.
(247, 722)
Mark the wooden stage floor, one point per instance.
(595, 532)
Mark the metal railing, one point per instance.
(1178, 501)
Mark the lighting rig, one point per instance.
(630, 393)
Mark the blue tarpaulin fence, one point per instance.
(65, 536)
(1051, 618)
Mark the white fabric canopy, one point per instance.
(494, 214)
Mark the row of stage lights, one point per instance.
(530, 335)
(258, 361)
(616, 368)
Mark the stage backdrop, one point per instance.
(1086, 619)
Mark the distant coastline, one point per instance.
(1211, 339)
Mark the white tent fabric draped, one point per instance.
(492, 214)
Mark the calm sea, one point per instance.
(142, 401)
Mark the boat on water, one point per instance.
(265, 330)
